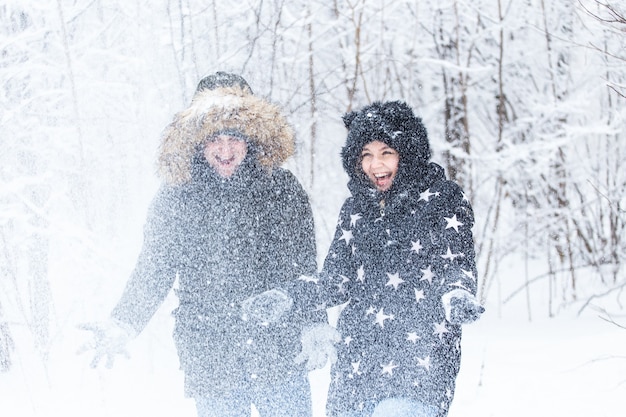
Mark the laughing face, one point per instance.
(380, 164)
(225, 153)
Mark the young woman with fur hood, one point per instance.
(229, 223)
(403, 259)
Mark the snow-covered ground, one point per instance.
(569, 366)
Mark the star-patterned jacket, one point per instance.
(393, 263)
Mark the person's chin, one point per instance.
(225, 173)
(382, 185)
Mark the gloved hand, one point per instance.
(109, 339)
(461, 307)
(267, 307)
(318, 346)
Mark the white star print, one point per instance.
(347, 340)
(426, 195)
(451, 256)
(394, 280)
(354, 218)
(428, 275)
(370, 310)
(412, 337)
(355, 368)
(416, 246)
(424, 363)
(340, 288)
(307, 278)
(346, 235)
(469, 274)
(388, 369)
(459, 284)
(381, 317)
(440, 329)
(360, 274)
(453, 223)
(419, 295)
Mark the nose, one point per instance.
(224, 147)
(377, 161)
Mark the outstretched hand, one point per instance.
(109, 339)
(318, 346)
(464, 310)
(461, 307)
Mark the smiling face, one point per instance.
(225, 153)
(380, 164)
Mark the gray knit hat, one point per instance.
(223, 79)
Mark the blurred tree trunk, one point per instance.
(6, 344)
(491, 257)
(313, 94)
(25, 192)
(557, 184)
(454, 83)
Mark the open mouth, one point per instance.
(224, 161)
(382, 180)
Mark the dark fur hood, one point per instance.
(395, 124)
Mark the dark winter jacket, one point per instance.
(225, 240)
(393, 263)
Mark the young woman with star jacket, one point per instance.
(228, 223)
(403, 260)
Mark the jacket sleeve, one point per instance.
(327, 288)
(450, 220)
(293, 252)
(155, 269)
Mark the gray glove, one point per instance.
(461, 307)
(267, 307)
(109, 339)
(318, 346)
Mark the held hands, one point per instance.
(318, 346)
(267, 307)
(461, 307)
(109, 339)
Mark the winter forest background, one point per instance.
(524, 101)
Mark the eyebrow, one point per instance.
(384, 148)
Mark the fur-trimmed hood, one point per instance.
(224, 109)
